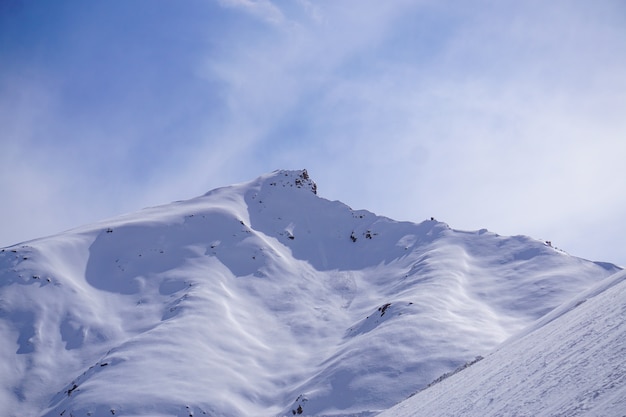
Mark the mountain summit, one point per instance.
(261, 299)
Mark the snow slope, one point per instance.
(261, 299)
(571, 363)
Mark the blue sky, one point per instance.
(500, 115)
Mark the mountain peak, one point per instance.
(291, 178)
(282, 178)
(261, 299)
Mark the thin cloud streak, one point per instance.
(263, 9)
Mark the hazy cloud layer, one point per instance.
(504, 115)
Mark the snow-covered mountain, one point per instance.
(261, 299)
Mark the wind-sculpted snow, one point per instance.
(261, 299)
(570, 364)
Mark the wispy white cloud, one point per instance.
(506, 116)
(501, 126)
(263, 9)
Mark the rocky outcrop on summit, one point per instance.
(298, 179)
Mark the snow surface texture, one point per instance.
(261, 299)
(568, 364)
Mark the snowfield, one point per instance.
(264, 299)
(568, 364)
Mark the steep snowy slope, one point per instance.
(569, 364)
(261, 299)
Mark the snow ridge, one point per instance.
(261, 299)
